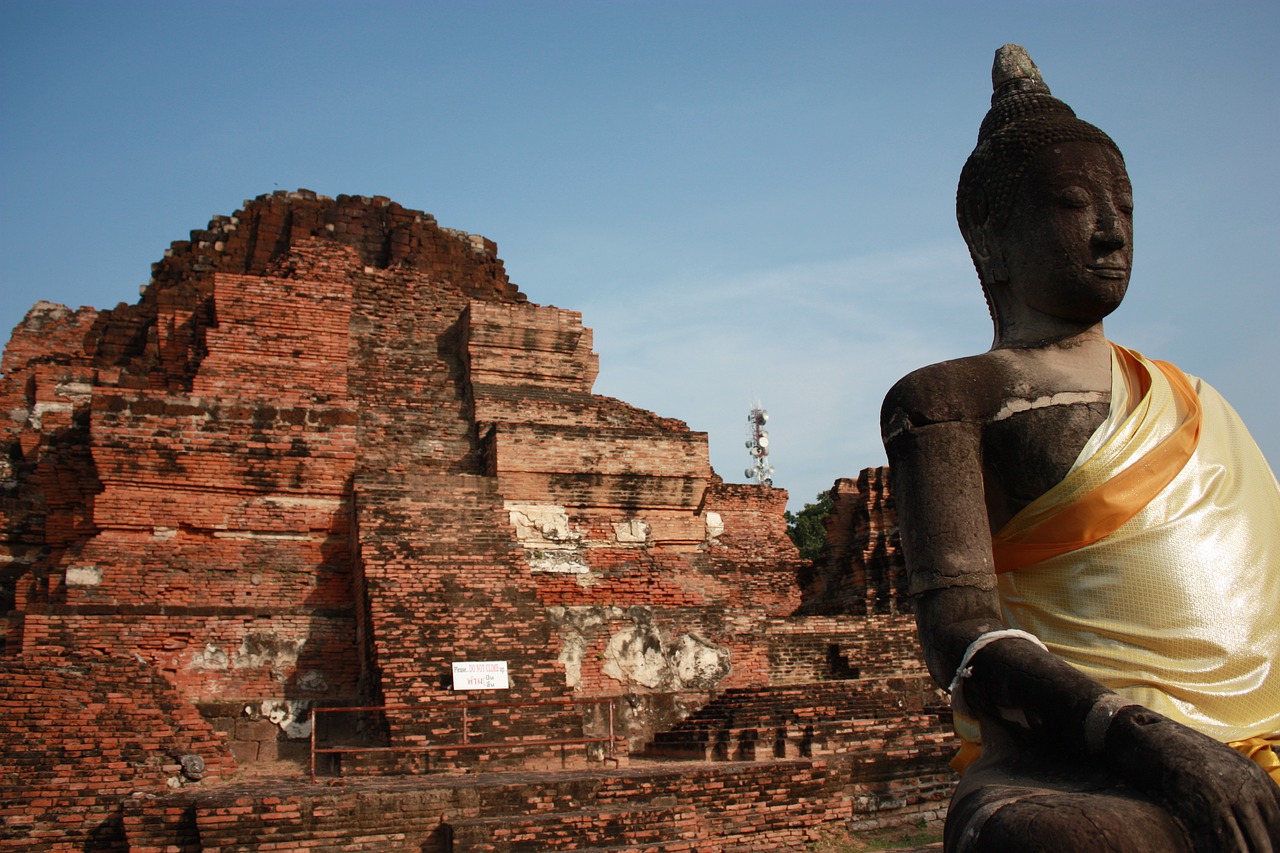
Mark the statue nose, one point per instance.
(1109, 239)
(1110, 233)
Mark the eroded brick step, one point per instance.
(753, 724)
(642, 827)
(701, 845)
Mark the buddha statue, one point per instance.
(1092, 538)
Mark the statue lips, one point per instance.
(1112, 271)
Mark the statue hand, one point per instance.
(1225, 801)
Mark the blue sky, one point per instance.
(746, 200)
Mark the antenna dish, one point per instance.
(758, 446)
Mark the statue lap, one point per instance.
(1028, 800)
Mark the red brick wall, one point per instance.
(686, 809)
(332, 450)
(79, 736)
(861, 570)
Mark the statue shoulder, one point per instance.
(968, 390)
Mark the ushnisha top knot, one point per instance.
(1013, 70)
(1024, 118)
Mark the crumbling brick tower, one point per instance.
(333, 449)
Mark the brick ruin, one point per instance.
(333, 450)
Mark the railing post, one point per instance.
(613, 753)
(315, 721)
(465, 737)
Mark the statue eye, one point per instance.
(1073, 197)
(1124, 203)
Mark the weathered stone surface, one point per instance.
(1045, 576)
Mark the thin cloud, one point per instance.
(818, 344)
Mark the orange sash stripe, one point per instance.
(1103, 510)
(1259, 750)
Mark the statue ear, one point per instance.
(988, 255)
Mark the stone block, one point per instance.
(263, 731)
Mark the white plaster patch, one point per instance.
(84, 575)
(1016, 405)
(633, 532)
(715, 525)
(698, 663)
(211, 657)
(551, 545)
(73, 389)
(164, 533)
(36, 418)
(279, 654)
(291, 715)
(541, 524)
(576, 624)
(638, 655)
(558, 561)
(572, 647)
(634, 656)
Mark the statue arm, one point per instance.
(938, 490)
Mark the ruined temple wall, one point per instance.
(657, 578)
(657, 575)
(548, 440)
(529, 345)
(80, 738)
(699, 807)
(333, 450)
(210, 654)
(215, 541)
(47, 471)
(823, 648)
(286, 339)
(333, 417)
(441, 577)
(670, 625)
(444, 587)
(861, 570)
(160, 340)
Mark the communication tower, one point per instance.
(758, 446)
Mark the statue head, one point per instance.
(1009, 186)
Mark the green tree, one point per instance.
(806, 527)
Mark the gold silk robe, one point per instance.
(1154, 566)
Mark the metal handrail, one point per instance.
(611, 739)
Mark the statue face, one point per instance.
(1067, 249)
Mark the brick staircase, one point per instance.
(726, 807)
(432, 602)
(646, 826)
(808, 720)
(439, 575)
(672, 807)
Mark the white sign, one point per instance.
(480, 675)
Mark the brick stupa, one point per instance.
(332, 451)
